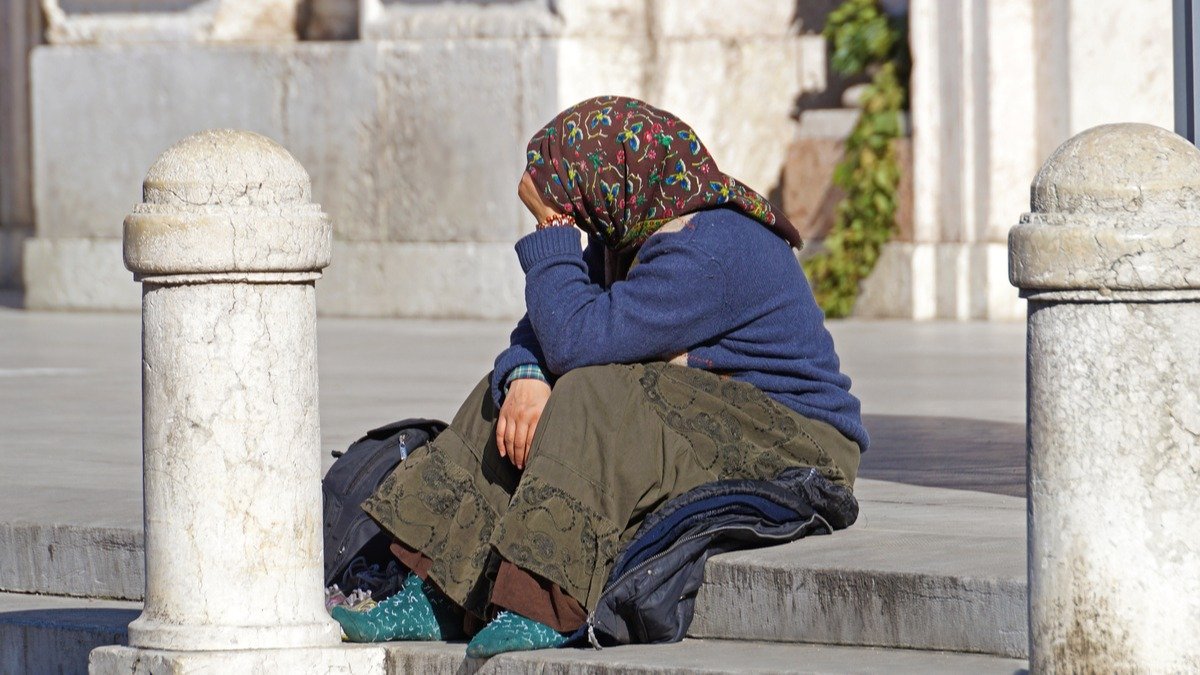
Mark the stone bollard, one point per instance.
(1109, 260)
(228, 244)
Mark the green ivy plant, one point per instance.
(863, 39)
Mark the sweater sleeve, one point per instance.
(523, 350)
(674, 299)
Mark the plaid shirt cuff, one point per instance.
(529, 371)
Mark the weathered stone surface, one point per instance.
(747, 141)
(97, 562)
(874, 584)
(341, 659)
(724, 18)
(620, 19)
(457, 116)
(997, 86)
(384, 279)
(814, 70)
(88, 165)
(391, 153)
(579, 79)
(77, 273)
(1156, 172)
(226, 201)
(1114, 438)
(390, 20)
(928, 281)
(1114, 209)
(1108, 260)
(84, 22)
(50, 635)
(227, 245)
(97, 21)
(319, 99)
(419, 140)
(328, 102)
(258, 21)
(434, 280)
(810, 198)
(1099, 62)
(696, 656)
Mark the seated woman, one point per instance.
(682, 346)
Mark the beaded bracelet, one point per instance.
(557, 220)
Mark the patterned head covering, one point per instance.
(624, 168)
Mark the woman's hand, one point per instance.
(528, 193)
(519, 417)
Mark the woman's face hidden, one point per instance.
(528, 193)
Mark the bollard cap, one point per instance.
(1115, 209)
(225, 201)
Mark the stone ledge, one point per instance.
(366, 279)
(46, 634)
(924, 568)
(694, 656)
(342, 659)
(82, 561)
(72, 274)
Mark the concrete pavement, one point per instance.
(944, 401)
(924, 568)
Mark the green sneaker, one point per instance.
(510, 632)
(417, 612)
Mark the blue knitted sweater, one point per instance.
(724, 289)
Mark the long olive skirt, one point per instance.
(613, 443)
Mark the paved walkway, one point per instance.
(923, 569)
(944, 402)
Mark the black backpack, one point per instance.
(349, 532)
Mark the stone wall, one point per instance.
(414, 134)
(126, 21)
(996, 86)
(414, 151)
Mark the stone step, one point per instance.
(87, 561)
(42, 634)
(924, 568)
(700, 656)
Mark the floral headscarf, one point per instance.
(624, 168)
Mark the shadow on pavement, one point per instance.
(12, 299)
(98, 619)
(948, 452)
(59, 640)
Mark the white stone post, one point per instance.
(228, 244)
(1109, 260)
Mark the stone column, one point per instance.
(1109, 260)
(227, 245)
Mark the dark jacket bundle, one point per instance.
(650, 595)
